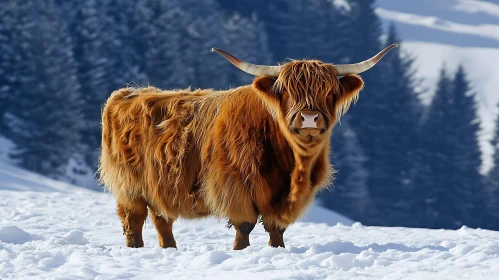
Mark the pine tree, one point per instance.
(203, 32)
(364, 38)
(435, 179)
(450, 184)
(300, 25)
(173, 41)
(247, 39)
(262, 52)
(366, 33)
(121, 50)
(151, 42)
(385, 119)
(493, 184)
(14, 19)
(7, 50)
(338, 32)
(46, 123)
(468, 154)
(348, 194)
(365, 117)
(326, 39)
(392, 164)
(94, 71)
(273, 15)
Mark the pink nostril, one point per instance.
(316, 119)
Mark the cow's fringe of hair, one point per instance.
(309, 82)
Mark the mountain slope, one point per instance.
(61, 231)
(431, 57)
(452, 32)
(465, 23)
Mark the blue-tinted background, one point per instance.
(418, 149)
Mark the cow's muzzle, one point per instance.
(309, 123)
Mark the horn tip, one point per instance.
(217, 50)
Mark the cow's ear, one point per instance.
(266, 87)
(350, 87)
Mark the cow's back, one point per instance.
(149, 136)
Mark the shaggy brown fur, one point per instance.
(234, 154)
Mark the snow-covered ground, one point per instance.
(65, 232)
(453, 32)
(22, 180)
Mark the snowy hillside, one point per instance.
(465, 23)
(61, 231)
(453, 32)
(483, 75)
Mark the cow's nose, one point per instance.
(309, 120)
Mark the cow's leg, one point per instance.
(242, 234)
(164, 229)
(275, 233)
(132, 216)
(243, 216)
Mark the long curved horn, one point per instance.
(357, 68)
(253, 69)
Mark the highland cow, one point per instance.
(259, 150)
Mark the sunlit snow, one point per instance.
(65, 232)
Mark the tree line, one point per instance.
(400, 163)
